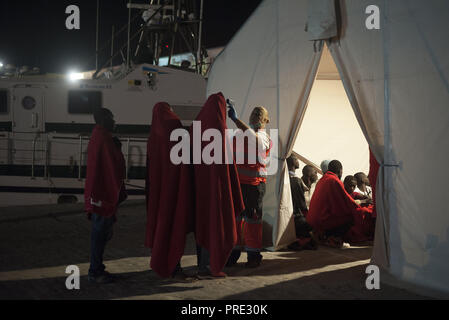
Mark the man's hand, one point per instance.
(232, 114)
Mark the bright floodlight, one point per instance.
(1, 65)
(74, 76)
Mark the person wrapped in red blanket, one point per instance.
(169, 196)
(104, 189)
(334, 215)
(217, 193)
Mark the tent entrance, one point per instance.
(329, 129)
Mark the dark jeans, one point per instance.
(203, 259)
(101, 234)
(178, 269)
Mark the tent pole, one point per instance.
(387, 130)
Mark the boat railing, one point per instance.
(44, 140)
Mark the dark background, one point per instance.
(33, 33)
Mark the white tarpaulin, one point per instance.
(321, 19)
(397, 81)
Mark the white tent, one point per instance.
(397, 80)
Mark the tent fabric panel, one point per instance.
(322, 20)
(419, 100)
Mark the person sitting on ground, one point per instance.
(324, 166)
(296, 184)
(303, 229)
(309, 179)
(363, 185)
(333, 213)
(350, 184)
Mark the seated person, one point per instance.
(303, 229)
(324, 165)
(363, 185)
(308, 180)
(350, 184)
(333, 214)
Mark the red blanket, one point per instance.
(169, 195)
(363, 228)
(218, 194)
(104, 188)
(331, 206)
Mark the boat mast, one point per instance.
(200, 32)
(97, 38)
(129, 36)
(168, 27)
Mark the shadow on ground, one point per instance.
(299, 261)
(129, 285)
(346, 283)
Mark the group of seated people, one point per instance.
(328, 211)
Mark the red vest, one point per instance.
(249, 172)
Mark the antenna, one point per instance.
(129, 35)
(98, 27)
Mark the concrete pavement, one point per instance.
(38, 245)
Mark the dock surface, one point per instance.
(38, 243)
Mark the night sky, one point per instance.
(33, 33)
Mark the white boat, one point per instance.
(46, 122)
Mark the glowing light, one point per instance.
(74, 76)
(1, 65)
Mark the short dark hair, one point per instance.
(307, 168)
(292, 161)
(359, 177)
(335, 166)
(349, 179)
(100, 114)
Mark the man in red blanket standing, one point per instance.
(218, 199)
(169, 195)
(252, 175)
(104, 189)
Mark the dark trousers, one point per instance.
(251, 221)
(302, 227)
(101, 234)
(203, 259)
